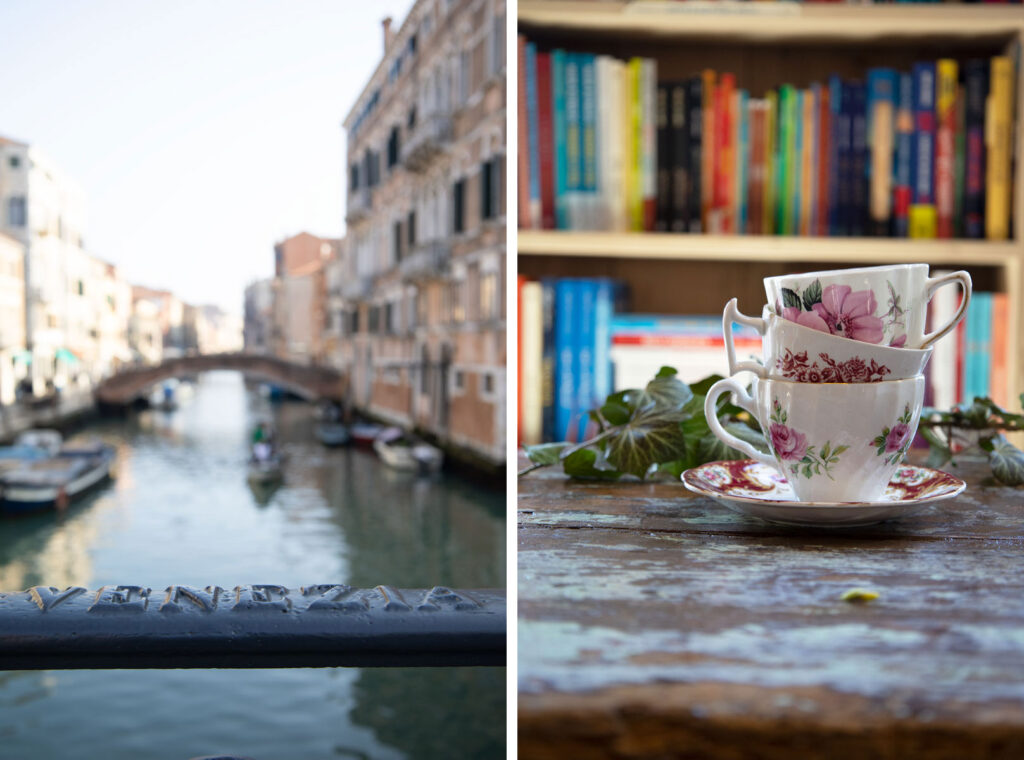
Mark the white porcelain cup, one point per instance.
(791, 351)
(879, 305)
(833, 442)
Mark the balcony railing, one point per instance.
(427, 141)
(358, 204)
(428, 261)
(356, 288)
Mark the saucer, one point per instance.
(756, 489)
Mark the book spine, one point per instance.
(844, 151)
(942, 367)
(770, 152)
(533, 138)
(588, 140)
(975, 90)
(985, 346)
(922, 208)
(814, 156)
(587, 307)
(722, 221)
(573, 141)
(959, 163)
(796, 167)
(824, 160)
(615, 189)
(560, 127)
(531, 341)
(678, 157)
(695, 141)
(755, 120)
(904, 156)
(835, 95)
(546, 142)
(604, 308)
(945, 111)
(998, 124)
(882, 84)
(521, 281)
(709, 140)
(742, 162)
(999, 390)
(628, 143)
(549, 360)
(636, 186)
(523, 133)
(859, 161)
(807, 160)
(566, 311)
(662, 220)
(649, 72)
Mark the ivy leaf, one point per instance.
(1007, 462)
(616, 413)
(586, 465)
(790, 299)
(653, 436)
(938, 452)
(701, 387)
(665, 391)
(812, 295)
(545, 453)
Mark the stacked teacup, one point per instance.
(840, 387)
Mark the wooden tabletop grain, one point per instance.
(655, 623)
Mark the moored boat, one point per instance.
(266, 471)
(404, 451)
(332, 433)
(365, 433)
(54, 482)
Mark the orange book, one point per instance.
(806, 161)
(945, 111)
(824, 148)
(524, 143)
(707, 149)
(999, 390)
(721, 212)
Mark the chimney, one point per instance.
(388, 34)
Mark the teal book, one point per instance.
(558, 117)
(797, 163)
(573, 139)
(742, 160)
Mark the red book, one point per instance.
(945, 145)
(523, 141)
(545, 140)
(824, 151)
(755, 178)
(721, 207)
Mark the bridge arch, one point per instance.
(310, 382)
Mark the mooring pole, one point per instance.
(256, 626)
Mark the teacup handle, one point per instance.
(743, 400)
(732, 314)
(934, 283)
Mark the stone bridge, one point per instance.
(308, 381)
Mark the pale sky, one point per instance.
(201, 131)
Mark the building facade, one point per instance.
(258, 316)
(423, 317)
(13, 357)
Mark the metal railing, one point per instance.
(356, 288)
(429, 260)
(358, 204)
(256, 626)
(427, 140)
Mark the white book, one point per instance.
(942, 367)
(615, 148)
(531, 343)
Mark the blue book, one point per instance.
(659, 324)
(859, 163)
(904, 155)
(798, 148)
(587, 316)
(573, 139)
(604, 312)
(566, 296)
(881, 98)
(588, 120)
(972, 349)
(533, 133)
(985, 346)
(923, 167)
(835, 102)
(742, 160)
(559, 133)
(549, 360)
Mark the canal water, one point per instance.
(181, 511)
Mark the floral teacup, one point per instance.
(793, 352)
(833, 442)
(881, 305)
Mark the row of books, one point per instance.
(925, 153)
(577, 345)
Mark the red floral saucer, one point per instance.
(758, 490)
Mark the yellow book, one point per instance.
(636, 174)
(922, 220)
(707, 151)
(998, 121)
(945, 149)
(768, 212)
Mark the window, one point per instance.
(393, 148)
(81, 287)
(488, 382)
(412, 118)
(458, 306)
(14, 162)
(487, 191)
(355, 321)
(398, 242)
(16, 216)
(374, 326)
(458, 201)
(424, 370)
(353, 182)
(372, 168)
(459, 380)
(489, 296)
(411, 230)
(498, 44)
(389, 319)
(463, 77)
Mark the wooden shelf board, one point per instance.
(754, 248)
(775, 21)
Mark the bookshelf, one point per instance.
(766, 44)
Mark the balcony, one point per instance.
(358, 204)
(356, 288)
(428, 261)
(427, 141)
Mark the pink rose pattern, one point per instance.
(840, 310)
(794, 452)
(796, 367)
(894, 441)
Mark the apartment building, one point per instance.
(300, 297)
(13, 357)
(423, 314)
(258, 315)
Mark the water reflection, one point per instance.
(181, 511)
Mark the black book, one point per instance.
(663, 209)
(694, 123)
(680, 142)
(975, 93)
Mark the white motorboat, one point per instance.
(55, 481)
(404, 451)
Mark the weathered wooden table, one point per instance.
(656, 623)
